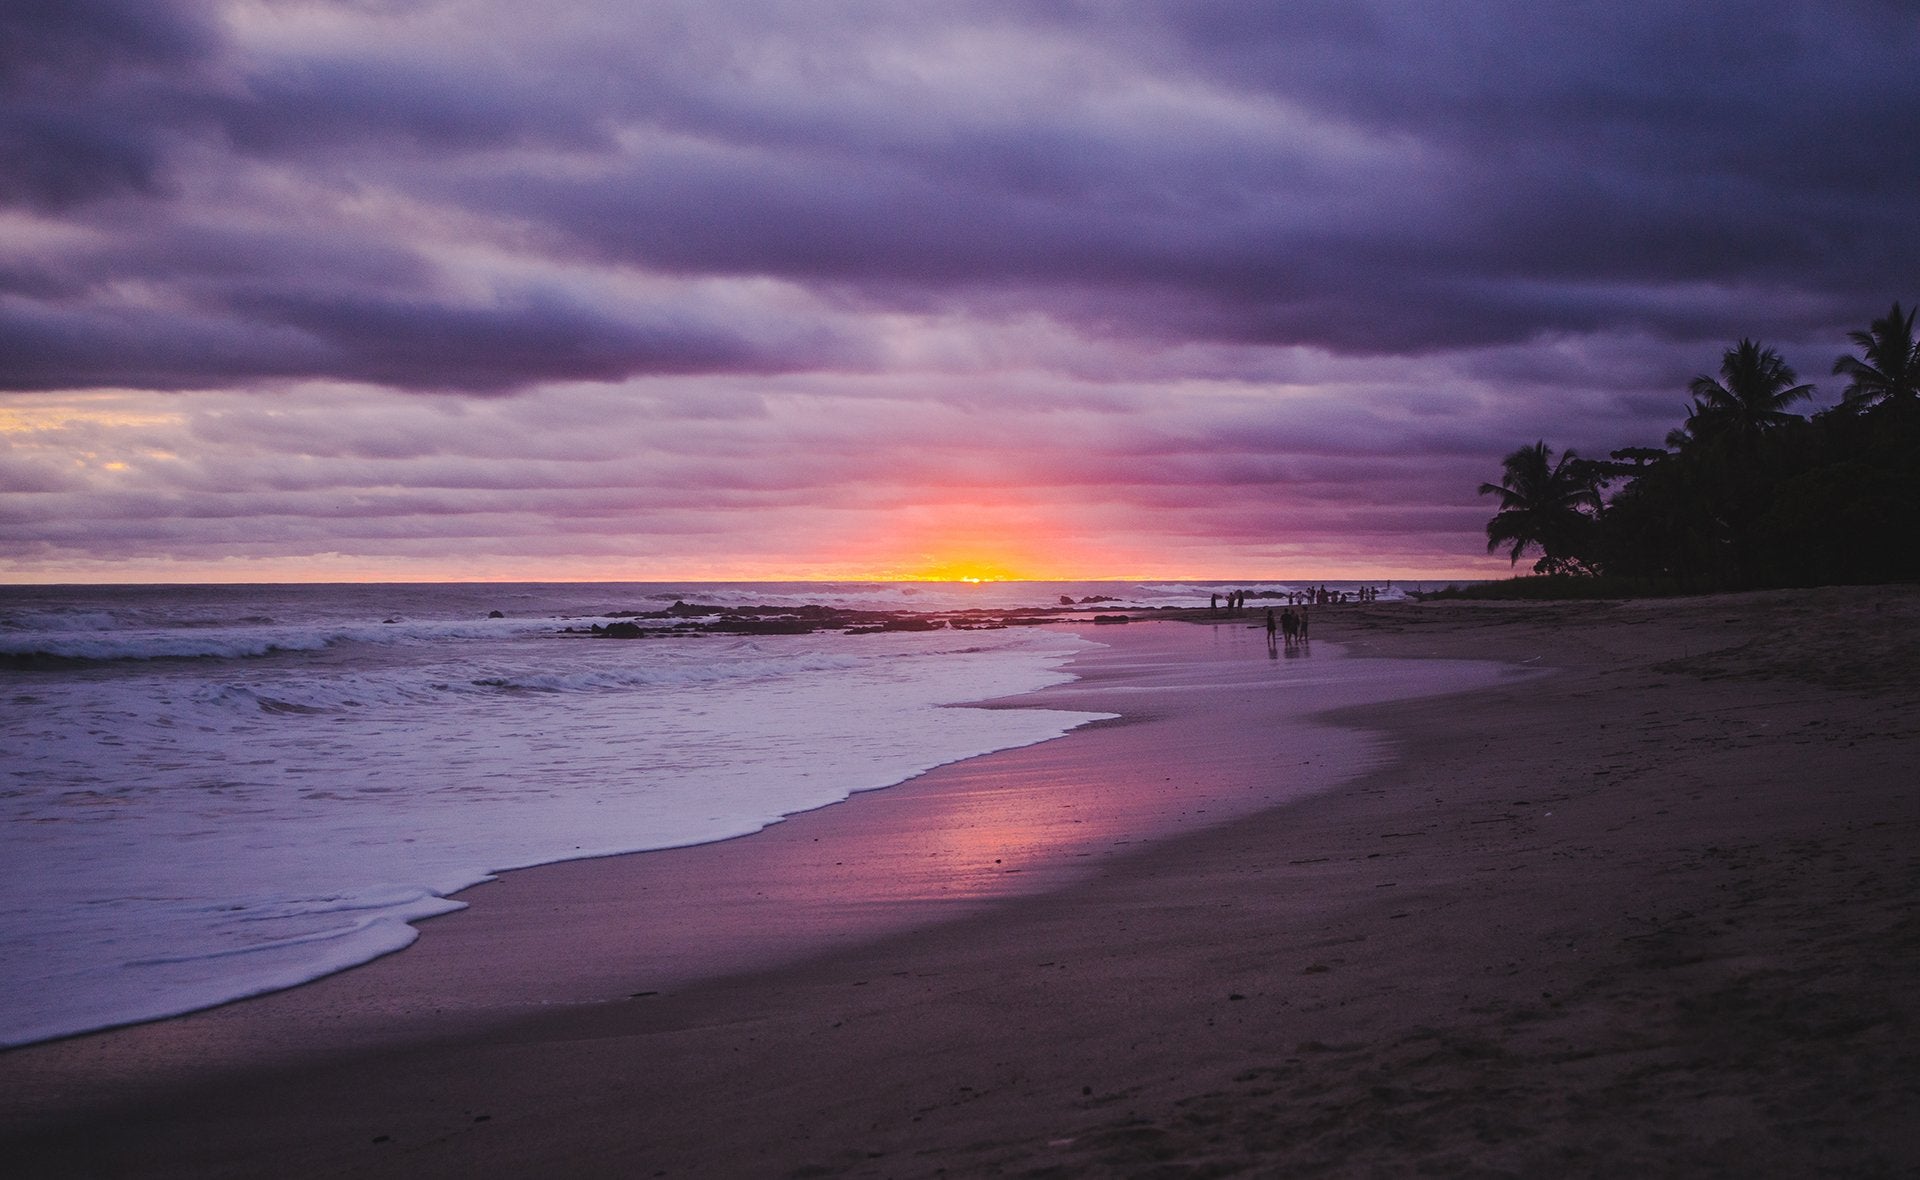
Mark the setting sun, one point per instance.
(961, 570)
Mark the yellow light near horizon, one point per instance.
(964, 570)
(51, 416)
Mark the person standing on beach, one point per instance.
(1303, 624)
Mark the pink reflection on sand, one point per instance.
(1179, 758)
(1211, 729)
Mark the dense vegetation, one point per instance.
(1745, 494)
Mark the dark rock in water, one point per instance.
(1098, 598)
(494, 614)
(691, 619)
(1066, 600)
(745, 626)
(913, 623)
(1111, 619)
(902, 623)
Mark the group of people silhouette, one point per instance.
(1236, 600)
(1321, 596)
(1291, 626)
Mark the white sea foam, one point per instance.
(212, 792)
(105, 639)
(174, 834)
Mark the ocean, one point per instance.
(210, 792)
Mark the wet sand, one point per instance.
(1647, 912)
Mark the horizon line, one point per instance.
(733, 581)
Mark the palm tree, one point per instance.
(1891, 370)
(1540, 504)
(1752, 396)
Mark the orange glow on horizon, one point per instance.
(973, 535)
(977, 569)
(973, 541)
(296, 573)
(961, 571)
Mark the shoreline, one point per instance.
(958, 837)
(1484, 951)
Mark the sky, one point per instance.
(774, 289)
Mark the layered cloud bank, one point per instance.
(393, 288)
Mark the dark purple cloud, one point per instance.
(764, 254)
(79, 80)
(1272, 174)
(1509, 171)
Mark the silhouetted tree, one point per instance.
(1657, 530)
(1752, 395)
(1627, 462)
(1750, 494)
(1541, 504)
(1889, 368)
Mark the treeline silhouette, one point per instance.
(1745, 494)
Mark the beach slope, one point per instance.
(1650, 912)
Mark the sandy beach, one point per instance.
(1639, 904)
